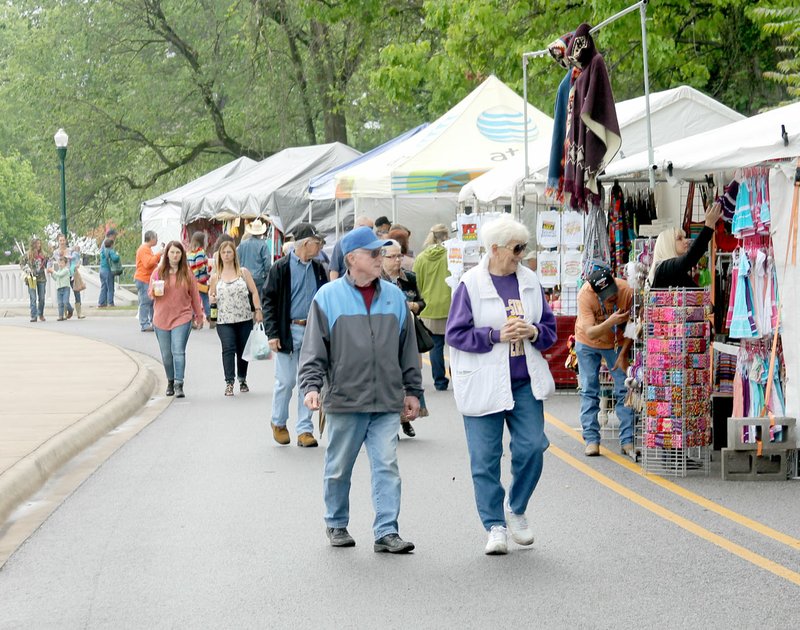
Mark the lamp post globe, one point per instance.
(61, 138)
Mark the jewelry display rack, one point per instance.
(676, 417)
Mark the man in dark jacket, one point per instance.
(291, 285)
(361, 338)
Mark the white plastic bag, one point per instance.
(257, 346)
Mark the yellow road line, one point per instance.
(694, 528)
(740, 519)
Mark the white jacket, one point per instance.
(482, 381)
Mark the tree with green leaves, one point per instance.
(782, 19)
(23, 211)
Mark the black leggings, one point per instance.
(233, 338)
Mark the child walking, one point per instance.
(61, 278)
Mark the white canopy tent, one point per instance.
(417, 181)
(761, 139)
(749, 141)
(676, 113)
(276, 186)
(162, 214)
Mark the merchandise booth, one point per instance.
(712, 365)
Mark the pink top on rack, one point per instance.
(177, 305)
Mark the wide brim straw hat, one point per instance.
(256, 227)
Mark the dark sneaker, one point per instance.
(339, 537)
(170, 388)
(408, 429)
(243, 388)
(392, 543)
(179, 390)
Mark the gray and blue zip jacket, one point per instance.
(369, 359)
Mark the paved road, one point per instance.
(202, 521)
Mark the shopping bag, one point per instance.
(78, 284)
(257, 346)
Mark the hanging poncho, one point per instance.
(593, 134)
(555, 172)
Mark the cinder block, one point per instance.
(787, 439)
(747, 466)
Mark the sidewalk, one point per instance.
(60, 394)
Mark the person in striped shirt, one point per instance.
(198, 263)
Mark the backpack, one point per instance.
(115, 266)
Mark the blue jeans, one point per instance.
(346, 433)
(528, 444)
(286, 366)
(589, 372)
(106, 288)
(145, 305)
(440, 380)
(206, 304)
(172, 344)
(62, 299)
(39, 292)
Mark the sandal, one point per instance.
(243, 388)
(229, 389)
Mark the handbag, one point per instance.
(78, 284)
(424, 336)
(30, 281)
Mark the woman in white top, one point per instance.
(232, 289)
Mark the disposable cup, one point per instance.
(158, 288)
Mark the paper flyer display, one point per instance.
(455, 256)
(572, 229)
(570, 268)
(548, 269)
(548, 229)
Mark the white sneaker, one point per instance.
(518, 525)
(497, 544)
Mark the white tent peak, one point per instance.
(481, 131)
(633, 109)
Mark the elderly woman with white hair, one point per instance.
(499, 324)
(674, 258)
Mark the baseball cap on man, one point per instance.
(362, 238)
(602, 281)
(305, 230)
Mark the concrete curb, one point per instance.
(24, 478)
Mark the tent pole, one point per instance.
(310, 211)
(394, 208)
(650, 155)
(525, 109)
(336, 209)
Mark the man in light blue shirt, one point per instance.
(254, 253)
(292, 283)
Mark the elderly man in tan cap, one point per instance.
(254, 253)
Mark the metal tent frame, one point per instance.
(526, 57)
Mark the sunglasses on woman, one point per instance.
(517, 249)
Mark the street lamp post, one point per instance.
(61, 139)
